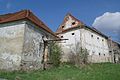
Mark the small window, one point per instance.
(104, 54)
(61, 36)
(63, 26)
(97, 37)
(99, 54)
(73, 33)
(102, 39)
(73, 23)
(91, 35)
(110, 51)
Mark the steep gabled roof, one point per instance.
(60, 29)
(24, 14)
(80, 25)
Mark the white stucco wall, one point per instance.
(21, 45)
(11, 43)
(95, 45)
(68, 45)
(33, 46)
(92, 44)
(83, 37)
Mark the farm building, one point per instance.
(22, 41)
(80, 35)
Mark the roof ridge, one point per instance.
(75, 18)
(41, 22)
(17, 13)
(26, 14)
(80, 23)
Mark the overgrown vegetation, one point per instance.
(78, 55)
(104, 71)
(55, 54)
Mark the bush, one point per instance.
(55, 54)
(78, 55)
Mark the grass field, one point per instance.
(104, 71)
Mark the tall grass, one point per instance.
(103, 71)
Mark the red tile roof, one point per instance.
(24, 14)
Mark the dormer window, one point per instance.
(73, 23)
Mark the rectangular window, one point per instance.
(99, 54)
(91, 35)
(104, 54)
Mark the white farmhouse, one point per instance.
(21, 41)
(86, 37)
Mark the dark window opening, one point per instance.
(73, 33)
(73, 23)
(110, 51)
(91, 35)
(104, 54)
(102, 39)
(61, 36)
(63, 26)
(97, 37)
(99, 54)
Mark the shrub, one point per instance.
(78, 55)
(55, 54)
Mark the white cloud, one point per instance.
(109, 23)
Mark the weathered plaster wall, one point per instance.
(33, 46)
(11, 43)
(69, 45)
(96, 45)
(21, 45)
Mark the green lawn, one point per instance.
(104, 71)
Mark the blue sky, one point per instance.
(52, 12)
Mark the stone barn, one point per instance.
(22, 37)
